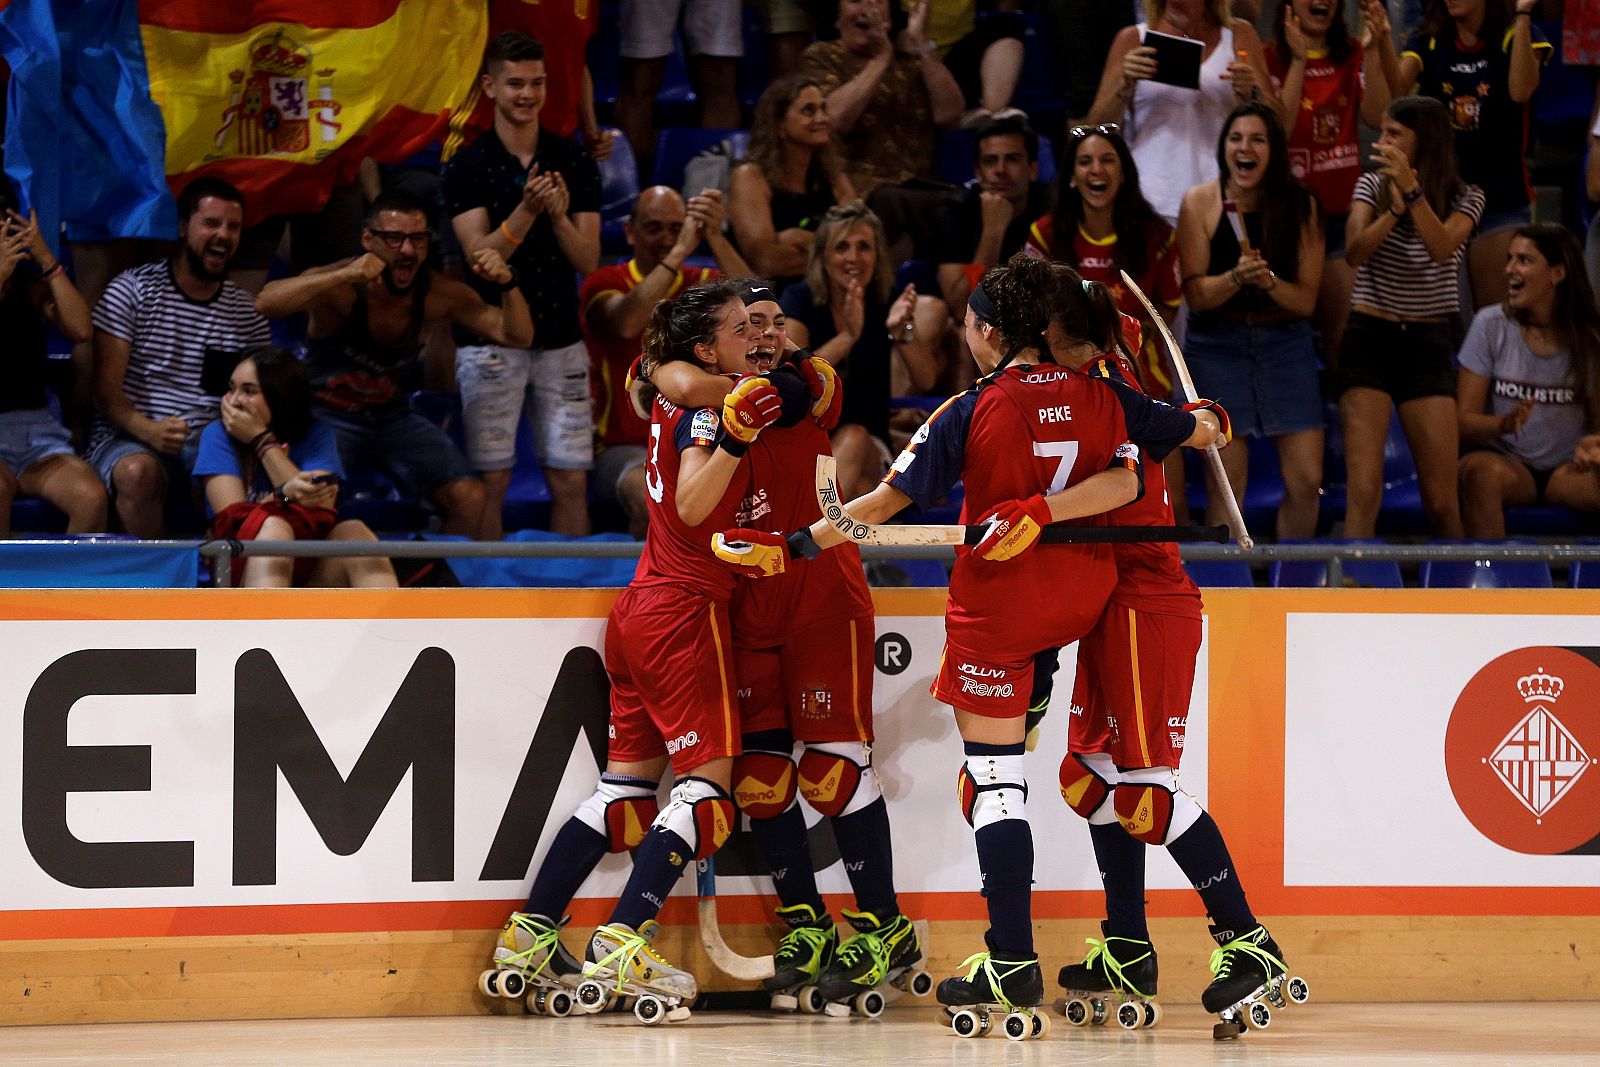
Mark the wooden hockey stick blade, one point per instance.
(1213, 457)
(896, 534)
(729, 962)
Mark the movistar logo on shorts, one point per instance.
(987, 689)
(678, 744)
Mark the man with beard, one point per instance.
(158, 329)
(985, 222)
(368, 316)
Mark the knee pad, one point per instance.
(991, 788)
(620, 808)
(1151, 807)
(700, 812)
(763, 784)
(836, 777)
(1086, 782)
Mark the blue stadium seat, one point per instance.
(1584, 575)
(1545, 519)
(1220, 573)
(619, 184)
(958, 148)
(30, 515)
(920, 272)
(1484, 574)
(675, 147)
(527, 503)
(1402, 496)
(1313, 574)
(1263, 490)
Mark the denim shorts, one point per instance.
(1264, 375)
(548, 386)
(29, 436)
(110, 451)
(416, 455)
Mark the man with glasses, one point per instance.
(534, 198)
(367, 319)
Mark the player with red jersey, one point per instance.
(669, 654)
(1034, 443)
(1130, 707)
(803, 657)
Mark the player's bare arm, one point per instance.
(333, 284)
(703, 476)
(689, 386)
(509, 324)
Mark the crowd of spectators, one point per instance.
(1330, 201)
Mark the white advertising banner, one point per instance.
(1442, 750)
(181, 763)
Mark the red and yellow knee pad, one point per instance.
(763, 784)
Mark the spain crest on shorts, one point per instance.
(816, 703)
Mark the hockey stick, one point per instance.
(1235, 520)
(861, 533)
(729, 962)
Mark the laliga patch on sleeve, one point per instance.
(703, 427)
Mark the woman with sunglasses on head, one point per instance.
(1102, 225)
(1172, 128)
(1251, 248)
(1409, 226)
(1528, 395)
(1328, 84)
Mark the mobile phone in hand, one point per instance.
(325, 479)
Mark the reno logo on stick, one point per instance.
(1521, 750)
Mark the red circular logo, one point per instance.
(1521, 750)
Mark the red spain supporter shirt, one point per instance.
(1030, 429)
(1324, 146)
(1150, 577)
(610, 357)
(674, 552)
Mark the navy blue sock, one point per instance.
(787, 850)
(1005, 858)
(657, 864)
(865, 847)
(573, 855)
(1203, 857)
(1121, 860)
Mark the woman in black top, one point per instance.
(36, 456)
(790, 176)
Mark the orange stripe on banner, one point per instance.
(209, 16)
(1138, 692)
(722, 675)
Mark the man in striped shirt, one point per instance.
(157, 329)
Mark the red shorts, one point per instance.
(993, 688)
(817, 685)
(1131, 696)
(670, 658)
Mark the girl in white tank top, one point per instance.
(1173, 132)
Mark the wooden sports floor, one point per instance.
(1378, 1033)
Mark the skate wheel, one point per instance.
(535, 1001)
(1258, 1016)
(783, 1002)
(1227, 1030)
(591, 996)
(649, 1010)
(558, 1004)
(488, 984)
(921, 984)
(1041, 1024)
(965, 1023)
(810, 1000)
(1098, 1012)
(1076, 1010)
(1018, 1026)
(835, 1010)
(511, 984)
(1152, 1013)
(1129, 1015)
(869, 1003)
(1299, 991)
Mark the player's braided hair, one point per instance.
(1021, 293)
(677, 325)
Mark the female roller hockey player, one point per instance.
(1130, 706)
(669, 655)
(1034, 444)
(803, 657)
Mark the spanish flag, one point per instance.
(117, 104)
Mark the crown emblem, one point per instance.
(1540, 687)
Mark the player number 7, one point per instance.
(1067, 452)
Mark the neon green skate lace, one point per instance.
(1098, 949)
(871, 946)
(1222, 958)
(805, 942)
(985, 962)
(627, 954)
(544, 937)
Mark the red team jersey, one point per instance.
(610, 357)
(564, 28)
(1029, 429)
(1324, 146)
(1097, 262)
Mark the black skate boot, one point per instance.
(1012, 988)
(878, 954)
(805, 950)
(1248, 980)
(1123, 966)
